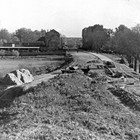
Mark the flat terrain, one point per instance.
(7, 65)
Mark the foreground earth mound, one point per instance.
(71, 107)
(18, 77)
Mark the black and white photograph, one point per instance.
(69, 69)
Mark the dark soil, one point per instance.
(50, 68)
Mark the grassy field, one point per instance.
(9, 64)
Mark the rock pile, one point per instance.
(18, 77)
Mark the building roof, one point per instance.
(19, 47)
(54, 31)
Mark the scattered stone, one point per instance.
(67, 71)
(18, 77)
(118, 74)
(11, 79)
(109, 64)
(71, 68)
(85, 69)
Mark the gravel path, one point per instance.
(102, 57)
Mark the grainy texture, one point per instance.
(72, 107)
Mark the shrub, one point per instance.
(15, 53)
(93, 74)
(2, 52)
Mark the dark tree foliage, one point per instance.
(122, 41)
(126, 41)
(27, 35)
(5, 35)
(95, 37)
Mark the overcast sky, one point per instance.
(68, 17)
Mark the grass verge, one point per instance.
(70, 107)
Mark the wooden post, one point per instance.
(132, 62)
(135, 64)
(139, 66)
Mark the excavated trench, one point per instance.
(50, 68)
(128, 99)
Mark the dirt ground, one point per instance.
(73, 107)
(9, 64)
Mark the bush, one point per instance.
(93, 74)
(2, 52)
(15, 53)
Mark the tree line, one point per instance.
(20, 35)
(124, 41)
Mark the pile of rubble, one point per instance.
(18, 77)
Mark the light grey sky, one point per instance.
(68, 17)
